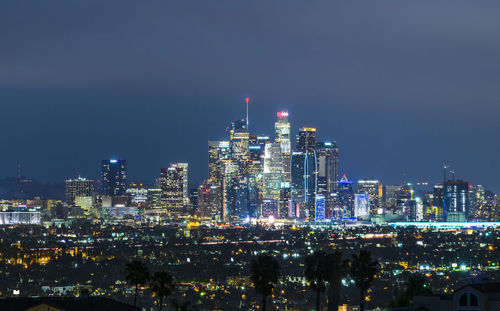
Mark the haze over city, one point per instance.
(402, 87)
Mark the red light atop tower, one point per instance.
(247, 99)
(282, 114)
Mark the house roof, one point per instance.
(483, 287)
(73, 304)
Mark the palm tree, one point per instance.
(316, 274)
(180, 306)
(337, 269)
(136, 273)
(417, 285)
(401, 299)
(363, 271)
(162, 284)
(265, 271)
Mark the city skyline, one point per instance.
(194, 181)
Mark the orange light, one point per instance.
(247, 99)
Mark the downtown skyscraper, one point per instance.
(254, 175)
(304, 174)
(174, 188)
(114, 177)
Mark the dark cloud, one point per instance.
(402, 86)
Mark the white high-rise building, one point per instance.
(273, 171)
(185, 185)
(361, 204)
(282, 137)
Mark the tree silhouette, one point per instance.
(162, 284)
(417, 285)
(265, 271)
(136, 273)
(316, 274)
(337, 269)
(180, 306)
(363, 271)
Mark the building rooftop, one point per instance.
(73, 304)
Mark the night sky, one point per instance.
(402, 86)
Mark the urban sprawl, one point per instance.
(273, 226)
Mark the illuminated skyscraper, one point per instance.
(346, 195)
(390, 196)
(304, 173)
(404, 199)
(328, 161)
(79, 187)
(172, 185)
(334, 207)
(185, 184)
(437, 202)
(456, 200)
(282, 137)
(255, 173)
(361, 205)
(237, 175)
(285, 201)
(239, 138)
(306, 139)
(304, 181)
(257, 146)
(319, 214)
(282, 131)
(374, 190)
(213, 161)
(208, 201)
(478, 203)
(231, 190)
(219, 152)
(273, 171)
(114, 177)
(219, 155)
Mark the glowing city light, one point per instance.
(282, 114)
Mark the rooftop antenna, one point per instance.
(444, 172)
(247, 100)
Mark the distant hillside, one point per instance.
(19, 189)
